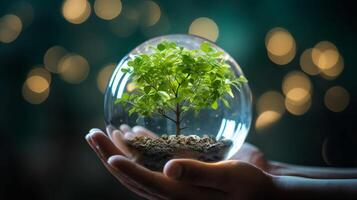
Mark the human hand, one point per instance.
(247, 153)
(181, 178)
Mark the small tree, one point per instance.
(173, 80)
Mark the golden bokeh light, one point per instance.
(280, 45)
(270, 108)
(76, 11)
(204, 27)
(34, 97)
(52, 57)
(297, 107)
(297, 87)
(279, 41)
(335, 71)
(107, 9)
(325, 55)
(36, 87)
(271, 100)
(337, 99)
(283, 60)
(10, 28)
(37, 84)
(298, 95)
(42, 72)
(150, 13)
(266, 118)
(104, 75)
(306, 63)
(73, 68)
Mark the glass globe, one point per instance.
(227, 126)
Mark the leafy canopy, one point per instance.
(174, 79)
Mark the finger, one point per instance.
(125, 128)
(213, 175)
(141, 131)
(119, 141)
(159, 184)
(102, 144)
(125, 181)
(110, 129)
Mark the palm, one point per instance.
(248, 153)
(229, 179)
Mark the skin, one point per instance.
(248, 175)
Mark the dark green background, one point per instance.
(43, 151)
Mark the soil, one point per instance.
(153, 153)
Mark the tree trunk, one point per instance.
(178, 112)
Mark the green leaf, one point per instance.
(205, 47)
(147, 89)
(214, 105)
(225, 103)
(161, 47)
(124, 97)
(125, 70)
(230, 93)
(166, 68)
(242, 79)
(164, 95)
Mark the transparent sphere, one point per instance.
(224, 123)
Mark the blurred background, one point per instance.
(56, 57)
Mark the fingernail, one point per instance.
(111, 159)
(95, 130)
(175, 171)
(92, 142)
(87, 137)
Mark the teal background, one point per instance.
(43, 152)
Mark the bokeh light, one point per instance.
(36, 87)
(334, 71)
(306, 63)
(10, 28)
(104, 75)
(107, 9)
(270, 108)
(337, 99)
(76, 11)
(297, 107)
(204, 27)
(280, 45)
(297, 88)
(150, 13)
(42, 72)
(34, 97)
(73, 68)
(266, 118)
(52, 57)
(325, 55)
(37, 84)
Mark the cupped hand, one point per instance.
(181, 178)
(247, 153)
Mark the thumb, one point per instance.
(215, 175)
